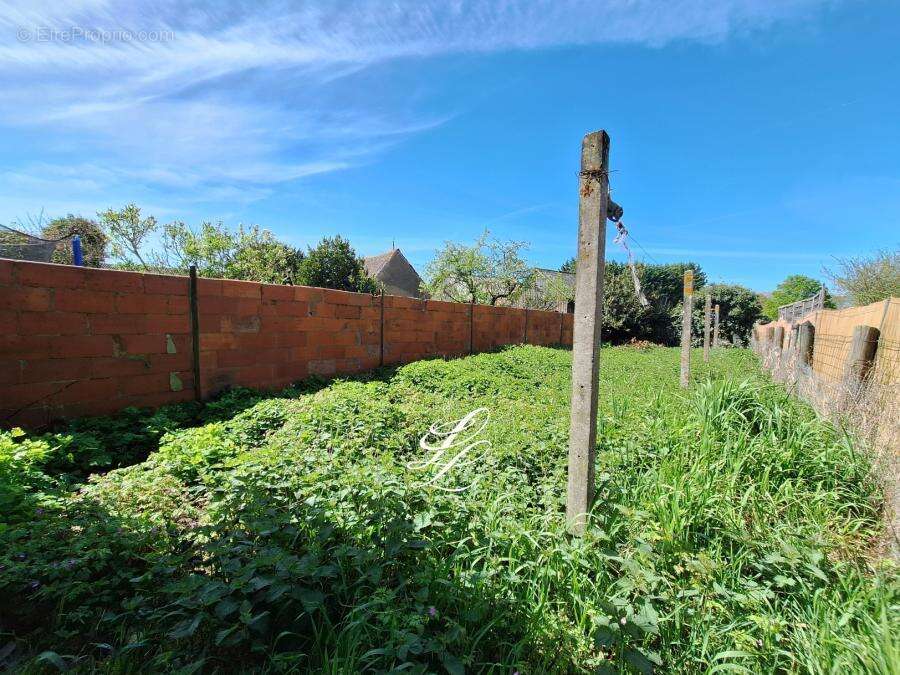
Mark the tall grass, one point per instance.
(731, 533)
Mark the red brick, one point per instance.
(209, 288)
(113, 280)
(88, 390)
(322, 367)
(118, 366)
(54, 370)
(168, 323)
(255, 340)
(273, 292)
(24, 298)
(241, 324)
(24, 346)
(347, 298)
(178, 304)
(155, 400)
(323, 309)
(50, 276)
(292, 308)
(52, 323)
(152, 383)
(119, 324)
(80, 300)
(216, 341)
(327, 351)
(9, 322)
(292, 372)
(168, 285)
(234, 358)
(10, 369)
(347, 312)
(72, 346)
(336, 338)
(32, 393)
(6, 271)
(142, 303)
(292, 339)
(143, 344)
(30, 418)
(308, 294)
(241, 289)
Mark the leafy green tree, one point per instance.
(739, 309)
(487, 272)
(334, 264)
(625, 318)
(93, 240)
(868, 279)
(129, 235)
(793, 288)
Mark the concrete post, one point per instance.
(592, 208)
(707, 310)
(686, 328)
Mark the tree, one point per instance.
(793, 288)
(739, 309)
(489, 271)
(248, 254)
(128, 234)
(568, 266)
(93, 240)
(868, 280)
(334, 264)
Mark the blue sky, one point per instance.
(757, 138)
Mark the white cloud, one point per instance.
(227, 96)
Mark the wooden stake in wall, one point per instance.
(686, 328)
(716, 329)
(707, 311)
(592, 208)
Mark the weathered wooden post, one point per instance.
(806, 334)
(686, 328)
(716, 329)
(862, 353)
(707, 310)
(778, 338)
(593, 190)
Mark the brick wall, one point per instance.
(80, 341)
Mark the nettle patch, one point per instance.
(308, 531)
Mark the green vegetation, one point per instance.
(868, 279)
(487, 272)
(732, 531)
(794, 288)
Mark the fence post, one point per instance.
(715, 341)
(707, 310)
(686, 328)
(471, 327)
(195, 331)
(593, 193)
(381, 338)
(806, 335)
(862, 353)
(525, 339)
(778, 338)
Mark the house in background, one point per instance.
(392, 270)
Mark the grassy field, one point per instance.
(732, 531)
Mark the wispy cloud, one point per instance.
(219, 98)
